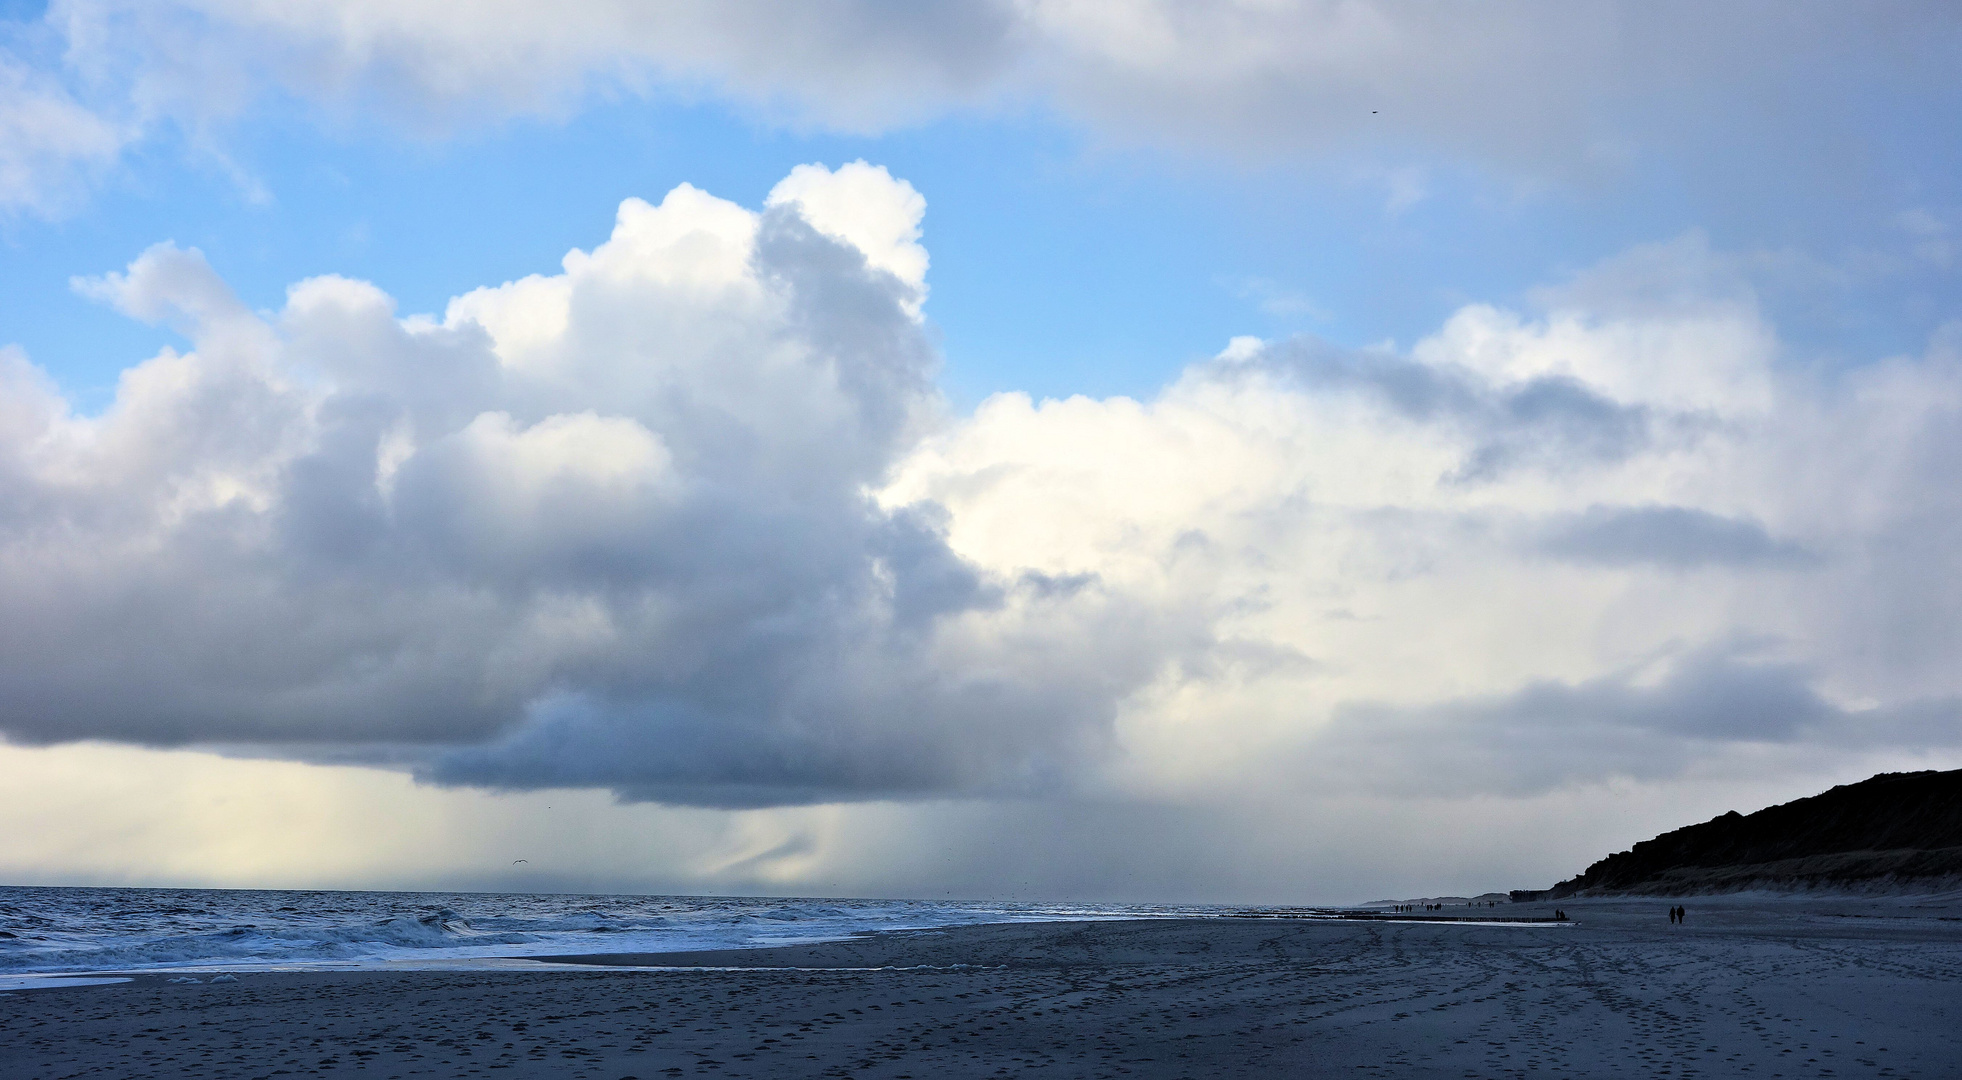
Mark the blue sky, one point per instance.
(1121, 263)
(1120, 266)
(1583, 453)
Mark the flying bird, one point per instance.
(515, 862)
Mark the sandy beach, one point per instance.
(1749, 986)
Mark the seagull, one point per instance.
(515, 862)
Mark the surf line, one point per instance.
(1466, 922)
(53, 982)
(754, 969)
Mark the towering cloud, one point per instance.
(611, 527)
(688, 521)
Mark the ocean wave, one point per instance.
(441, 929)
(75, 930)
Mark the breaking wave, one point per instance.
(82, 930)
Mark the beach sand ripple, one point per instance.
(1748, 987)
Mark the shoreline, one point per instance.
(1892, 904)
(445, 960)
(1007, 944)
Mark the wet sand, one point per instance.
(1747, 987)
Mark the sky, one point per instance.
(1250, 451)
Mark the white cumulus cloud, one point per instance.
(609, 527)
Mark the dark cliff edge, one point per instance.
(1895, 831)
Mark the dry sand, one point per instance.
(1750, 986)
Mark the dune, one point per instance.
(1895, 832)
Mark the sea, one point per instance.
(70, 930)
